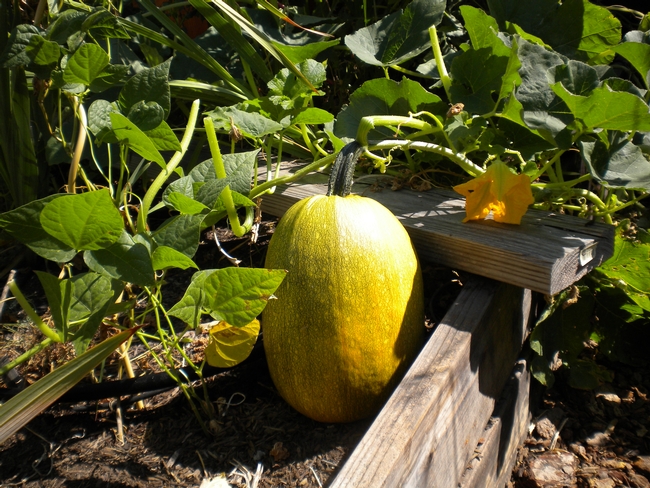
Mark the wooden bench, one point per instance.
(461, 411)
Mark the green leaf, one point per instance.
(238, 199)
(125, 260)
(399, 36)
(103, 24)
(238, 295)
(86, 221)
(252, 125)
(127, 133)
(228, 346)
(384, 97)
(607, 109)
(638, 54)
(90, 294)
(188, 309)
(586, 374)
(15, 53)
(42, 51)
(99, 120)
(110, 76)
(313, 116)
(146, 115)
(19, 410)
(67, 24)
(185, 204)
(165, 257)
(299, 53)
(575, 28)
(622, 164)
(24, 224)
(163, 138)
(85, 64)
(93, 295)
(630, 264)
(543, 110)
(181, 232)
(149, 85)
(59, 296)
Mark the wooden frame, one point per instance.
(450, 422)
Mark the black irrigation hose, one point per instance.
(143, 385)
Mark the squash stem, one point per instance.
(340, 182)
(220, 170)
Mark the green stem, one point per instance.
(79, 145)
(31, 313)
(407, 71)
(548, 168)
(162, 177)
(370, 122)
(460, 159)
(315, 166)
(25, 356)
(440, 62)
(220, 170)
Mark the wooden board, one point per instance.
(492, 461)
(546, 253)
(429, 428)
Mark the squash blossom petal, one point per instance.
(498, 190)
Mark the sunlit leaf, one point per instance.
(165, 257)
(229, 346)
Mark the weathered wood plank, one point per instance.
(428, 429)
(494, 459)
(546, 253)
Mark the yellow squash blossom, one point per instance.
(498, 190)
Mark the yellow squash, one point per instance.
(349, 316)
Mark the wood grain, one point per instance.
(492, 461)
(430, 426)
(546, 253)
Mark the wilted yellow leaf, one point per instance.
(230, 345)
(500, 191)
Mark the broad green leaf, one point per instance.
(15, 53)
(146, 115)
(286, 89)
(188, 309)
(93, 295)
(185, 204)
(638, 54)
(165, 257)
(209, 192)
(149, 85)
(61, 84)
(24, 224)
(110, 76)
(483, 31)
(313, 115)
(127, 133)
(607, 109)
(477, 75)
(163, 138)
(85, 64)
(181, 232)
(575, 28)
(125, 260)
(299, 53)
(398, 37)
(86, 221)
(543, 110)
(228, 346)
(19, 410)
(252, 125)
(239, 170)
(630, 263)
(238, 295)
(99, 120)
(384, 97)
(90, 293)
(239, 200)
(103, 24)
(59, 296)
(622, 164)
(66, 25)
(42, 51)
